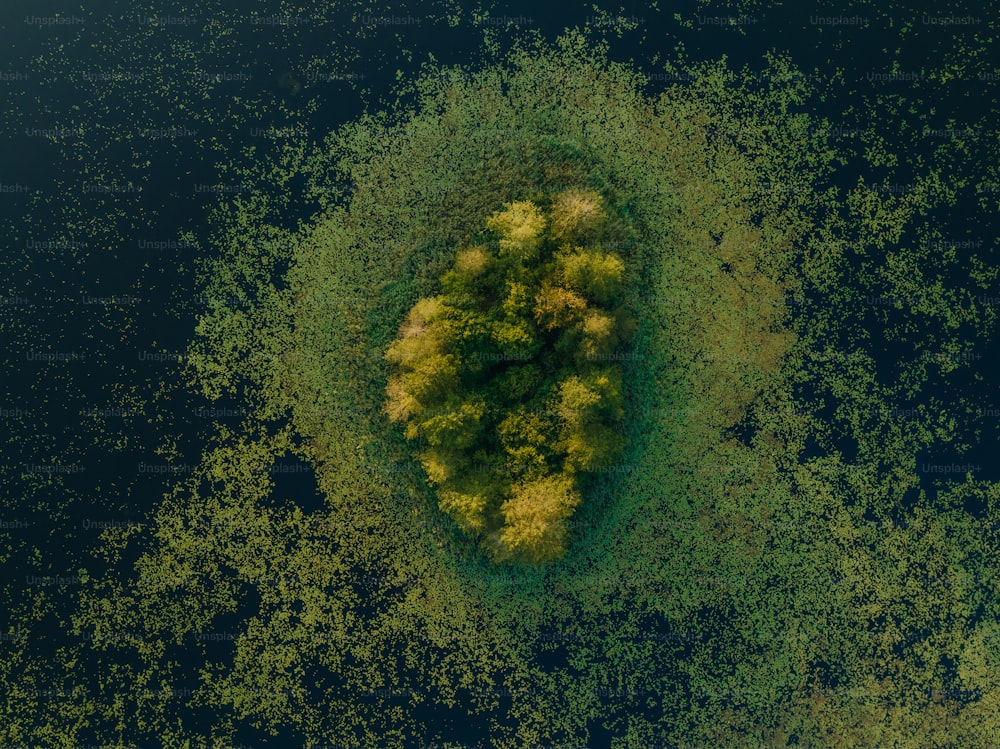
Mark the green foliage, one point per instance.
(535, 515)
(517, 382)
(507, 354)
(456, 427)
(432, 378)
(524, 436)
(585, 406)
(557, 307)
(520, 226)
(467, 508)
(596, 275)
(576, 215)
(743, 583)
(516, 341)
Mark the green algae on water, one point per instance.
(760, 565)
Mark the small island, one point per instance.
(507, 378)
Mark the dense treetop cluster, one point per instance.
(508, 376)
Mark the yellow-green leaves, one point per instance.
(526, 438)
(557, 307)
(468, 509)
(535, 516)
(597, 275)
(576, 401)
(497, 375)
(455, 428)
(584, 406)
(515, 340)
(576, 214)
(472, 261)
(520, 226)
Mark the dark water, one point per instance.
(63, 245)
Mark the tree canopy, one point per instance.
(508, 378)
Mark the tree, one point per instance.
(441, 464)
(524, 436)
(517, 340)
(599, 335)
(456, 426)
(401, 405)
(496, 376)
(431, 379)
(584, 406)
(557, 307)
(535, 516)
(590, 447)
(516, 383)
(575, 214)
(521, 227)
(576, 402)
(597, 275)
(416, 339)
(470, 274)
(468, 499)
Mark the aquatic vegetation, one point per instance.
(718, 539)
(686, 296)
